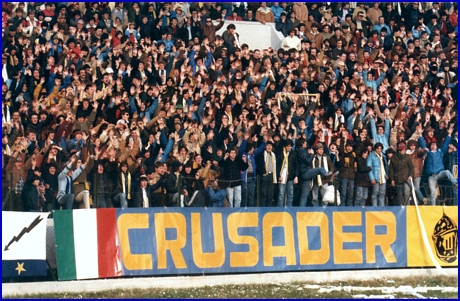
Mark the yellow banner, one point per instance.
(441, 226)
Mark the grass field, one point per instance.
(445, 287)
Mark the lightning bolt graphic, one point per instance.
(24, 231)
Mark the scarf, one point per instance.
(273, 162)
(127, 193)
(322, 161)
(145, 199)
(347, 161)
(382, 170)
(338, 120)
(192, 198)
(284, 167)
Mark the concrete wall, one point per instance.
(255, 34)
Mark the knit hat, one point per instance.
(401, 145)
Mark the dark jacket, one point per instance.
(401, 167)
(348, 168)
(362, 175)
(317, 163)
(198, 201)
(138, 195)
(30, 197)
(232, 170)
(304, 159)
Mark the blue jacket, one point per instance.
(256, 152)
(374, 84)
(379, 27)
(434, 160)
(381, 138)
(216, 196)
(277, 11)
(374, 162)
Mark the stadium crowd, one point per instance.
(144, 105)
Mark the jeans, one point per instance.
(290, 194)
(361, 195)
(83, 197)
(266, 190)
(305, 193)
(378, 194)
(418, 193)
(67, 200)
(313, 172)
(248, 190)
(121, 197)
(315, 194)
(234, 196)
(346, 192)
(432, 181)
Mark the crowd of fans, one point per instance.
(144, 105)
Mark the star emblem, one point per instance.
(20, 268)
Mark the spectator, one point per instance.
(249, 16)
(434, 167)
(291, 41)
(288, 171)
(171, 95)
(301, 12)
(277, 11)
(362, 180)
(264, 14)
(284, 25)
(232, 167)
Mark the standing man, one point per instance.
(306, 172)
(321, 160)
(288, 170)
(233, 166)
(347, 172)
(378, 175)
(401, 172)
(65, 195)
(266, 170)
(81, 185)
(249, 176)
(434, 167)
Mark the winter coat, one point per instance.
(293, 165)
(232, 170)
(362, 175)
(374, 162)
(401, 168)
(434, 161)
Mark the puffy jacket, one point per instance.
(374, 162)
(434, 163)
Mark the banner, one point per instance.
(442, 231)
(23, 244)
(100, 243)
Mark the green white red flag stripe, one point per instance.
(86, 243)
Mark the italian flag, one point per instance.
(87, 244)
